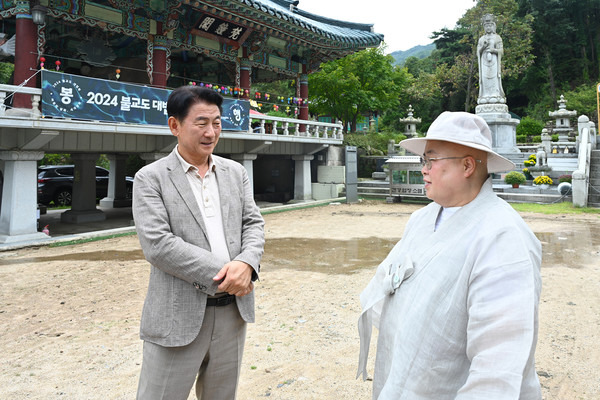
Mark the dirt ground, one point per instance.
(70, 315)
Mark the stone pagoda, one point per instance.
(562, 117)
(410, 123)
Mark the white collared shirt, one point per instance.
(206, 192)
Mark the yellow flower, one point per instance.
(542, 180)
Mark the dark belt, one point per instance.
(220, 301)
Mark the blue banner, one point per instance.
(79, 97)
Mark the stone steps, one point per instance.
(525, 194)
(594, 184)
(380, 189)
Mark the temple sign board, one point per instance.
(75, 96)
(405, 177)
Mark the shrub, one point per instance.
(521, 138)
(530, 127)
(514, 178)
(6, 70)
(565, 178)
(542, 180)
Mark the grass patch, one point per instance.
(554, 208)
(52, 206)
(92, 239)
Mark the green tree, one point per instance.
(583, 99)
(6, 70)
(360, 84)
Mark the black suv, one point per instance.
(55, 183)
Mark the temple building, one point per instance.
(92, 78)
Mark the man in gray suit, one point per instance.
(202, 233)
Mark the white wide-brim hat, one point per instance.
(462, 128)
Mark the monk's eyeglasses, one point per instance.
(426, 161)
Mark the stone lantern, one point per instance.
(563, 120)
(410, 123)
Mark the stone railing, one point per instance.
(587, 143)
(550, 147)
(265, 124)
(7, 91)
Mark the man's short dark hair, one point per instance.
(183, 98)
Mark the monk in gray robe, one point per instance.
(456, 300)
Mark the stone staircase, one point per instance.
(373, 189)
(380, 189)
(562, 164)
(594, 185)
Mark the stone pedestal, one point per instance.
(116, 195)
(302, 178)
(502, 126)
(83, 203)
(18, 219)
(247, 160)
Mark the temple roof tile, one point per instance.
(357, 34)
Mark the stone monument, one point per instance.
(491, 104)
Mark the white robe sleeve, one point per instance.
(501, 331)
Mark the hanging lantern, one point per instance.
(42, 61)
(118, 73)
(57, 63)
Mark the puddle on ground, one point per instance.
(325, 255)
(103, 255)
(571, 249)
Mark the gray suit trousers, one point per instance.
(213, 360)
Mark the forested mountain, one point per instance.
(419, 52)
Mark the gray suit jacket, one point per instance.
(173, 237)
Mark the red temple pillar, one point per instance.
(304, 97)
(159, 62)
(245, 69)
(25, 54)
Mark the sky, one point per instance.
(404, 23)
